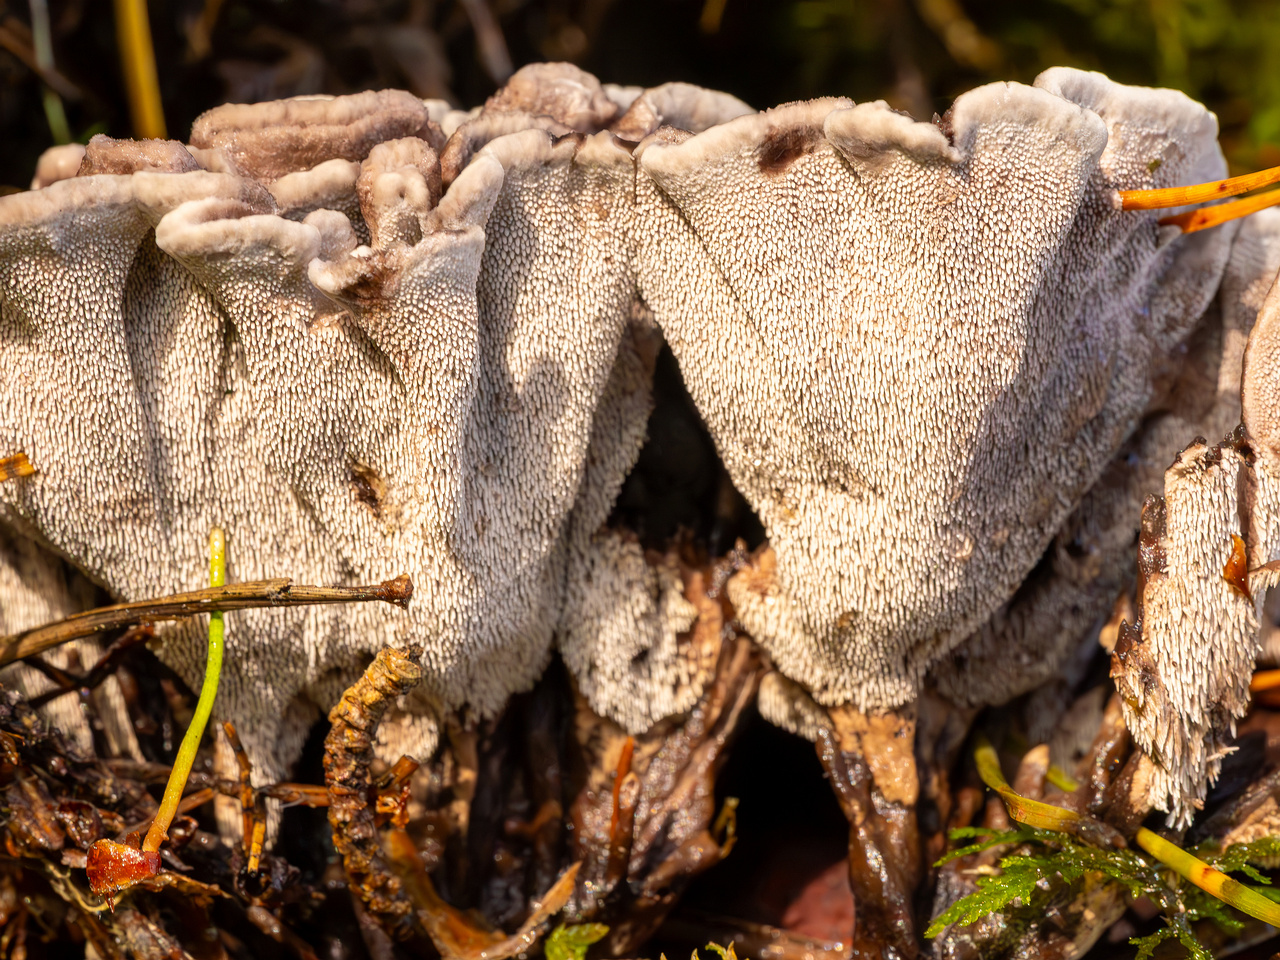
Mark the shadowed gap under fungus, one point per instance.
(678, 483)
(789, 866)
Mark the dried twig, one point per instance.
(253, 811)
(280, 592)
(348, 754)
(288, 793)
(105, 667)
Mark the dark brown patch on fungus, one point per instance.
(783, 147)
(946, 123)
(1152, 562)
(1131, 667)
(372, 279)
(368, 487)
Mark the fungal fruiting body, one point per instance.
(370, 335)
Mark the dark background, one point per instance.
(917, 54)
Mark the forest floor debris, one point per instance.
(548, 814)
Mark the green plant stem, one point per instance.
(1209, 879)
(1047, 816)
(204, 706)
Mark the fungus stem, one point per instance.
(138, 57)
(1197, 193)
(1046, 816)
(204, 706)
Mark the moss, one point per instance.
(571, 942)
(1049, 864)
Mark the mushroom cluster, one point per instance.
(371, 335)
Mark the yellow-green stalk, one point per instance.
(1209, 879)
(1047, 816)
(1061, 779)
(204, 706)
(1034, 813)
(113, 867)
(138, 57)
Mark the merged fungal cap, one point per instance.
(355, 374)
(918, 345)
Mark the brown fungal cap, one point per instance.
(398, 181)
(268, 140)
(680, 105)
(106, 155)
(473, 134)
(328, 186)
(566, 93)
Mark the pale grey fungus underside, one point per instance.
(1185, 682)
(937, 359)
(916, 356)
